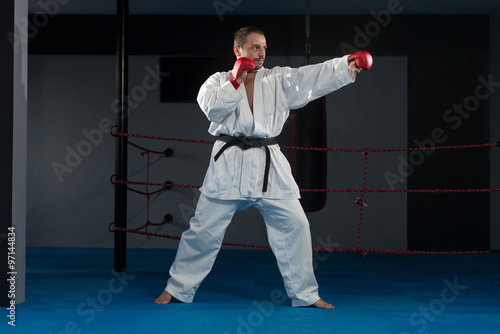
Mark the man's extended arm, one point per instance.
(308, 83)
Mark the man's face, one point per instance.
(254, 48)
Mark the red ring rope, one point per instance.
(367, 190)
(316, 148)
(362, 204)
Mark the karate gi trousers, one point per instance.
(289, 237)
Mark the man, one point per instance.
(247, 108)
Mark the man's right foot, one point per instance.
(165, 298)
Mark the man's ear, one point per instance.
(237, 51)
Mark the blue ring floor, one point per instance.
(74, 291)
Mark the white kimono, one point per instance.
(234, 182)
(238, 174)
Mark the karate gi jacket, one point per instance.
(238, 174)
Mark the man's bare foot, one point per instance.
(165, 298)
(322, 304)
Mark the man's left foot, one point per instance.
(322, 304)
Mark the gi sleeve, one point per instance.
(310, 82)
(218, 98)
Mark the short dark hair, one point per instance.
(241, 35)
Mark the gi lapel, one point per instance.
(246, 117)
(258, 103)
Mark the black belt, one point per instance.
(245, 143)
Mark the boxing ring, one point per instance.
(153, 188)
(123, 185)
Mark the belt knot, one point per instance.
(245, 143)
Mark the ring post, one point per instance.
(120, 246)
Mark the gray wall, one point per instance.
(495, 127)
(13, 117)
(71, 96)
(20, 147)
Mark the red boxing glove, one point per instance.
(241, 64)
(362, 59)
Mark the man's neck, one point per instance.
(250, 76)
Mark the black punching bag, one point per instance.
(307, 128)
